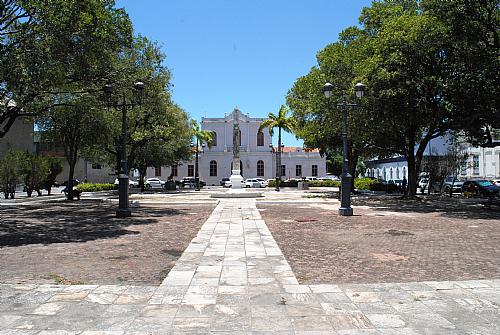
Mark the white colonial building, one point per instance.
(258, 158)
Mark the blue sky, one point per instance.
(227, 53)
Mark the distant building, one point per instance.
(479, 162)
(19, 137)
(258, 159)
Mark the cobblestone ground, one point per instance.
(388, 240)
(233, 279)
(83, 242)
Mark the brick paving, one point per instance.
(234, 279)
(83, 242)
(388, 240)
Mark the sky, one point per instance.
(228, 53)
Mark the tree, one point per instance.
(200, 136)
(471, 77)
(282, 122)
(54, 169)
(34, 170)
(169, 150)
(11, 172)
(74, 127)
(53, 48)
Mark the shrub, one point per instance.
(366, 184)
(324, 183)
(284, 183)
(96, 187)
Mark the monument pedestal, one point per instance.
(236, 190)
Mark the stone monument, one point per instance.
(236, 190)
(236, 178)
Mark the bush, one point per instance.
(366, 184)
(324, 183)
(284, 183)
(96, 187)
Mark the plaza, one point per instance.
(247, 266)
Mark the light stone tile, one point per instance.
(325, 288)
(386, 320)
(50, 308)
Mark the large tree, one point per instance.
(53, 48)
(284, 123)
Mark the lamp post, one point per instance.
(123, 188)
(345, 196)
(196, 173)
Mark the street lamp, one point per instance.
(123, 189)
(345, 204)
(196, 173)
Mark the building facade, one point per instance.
(478, 163)
(257, 156)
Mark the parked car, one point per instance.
(480, 188)
(223, 181)
(154, 183)
(252, 183)
(329, 177)
(191, 182)
(131, 183)
(453, 184)
(263, 182)
(230, 184)
(423, 184)
(496, 182)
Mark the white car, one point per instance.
(329, 177)
(263, 182)
(154, 183)
(252, 183)
(229, 183)
(131, 183)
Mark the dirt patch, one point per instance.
(84, 242)
(387, 242)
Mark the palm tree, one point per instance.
(282, 122)
(200, 136)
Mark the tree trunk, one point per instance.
(353, 163)
(412, 174)
(142, 174)
(70, 180)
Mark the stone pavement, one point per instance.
(233, 279)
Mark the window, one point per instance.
(463, 167)
(190, 170)
(260, 139)
(390, 173)
(96, 166)
(404, 172)
(283, 170)
(173, 171)
(260, 169)
(298, 170)
(158, 171)
(475, 164)
(213, 169)
(397, 172)
(214, 138)
(314, 171)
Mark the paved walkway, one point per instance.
(233, 279)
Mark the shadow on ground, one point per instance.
(459, 208)
(71, 222)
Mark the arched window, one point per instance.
(260, 139)
(214, 138)
(390, 172)
(213, 169)
(397, 172)
(260, 169)
(404, 171)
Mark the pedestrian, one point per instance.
(404, 183)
